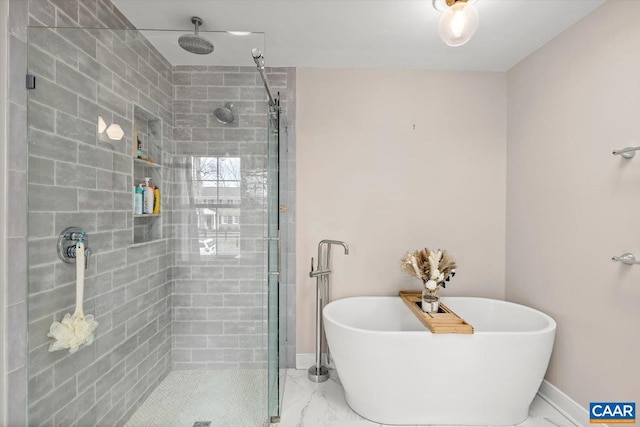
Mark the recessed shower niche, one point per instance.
(147, 163)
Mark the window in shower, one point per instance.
(216, 185)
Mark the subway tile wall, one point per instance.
(287, 294)
(15, 289)
(99, 385)
(220, 307)
(78, 178)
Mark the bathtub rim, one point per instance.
(552, 325)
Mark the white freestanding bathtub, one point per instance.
(395, 371)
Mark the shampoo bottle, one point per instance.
(137, 201)
(156, 201)
(148, 197)
(139, 152)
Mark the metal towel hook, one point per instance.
(626, 258)
(627, 153)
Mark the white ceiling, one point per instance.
(357, 33)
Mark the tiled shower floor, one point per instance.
(226, 398)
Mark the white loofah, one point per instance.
(72, 332)
(77, 329)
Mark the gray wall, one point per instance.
(77, 180)
(220, 302)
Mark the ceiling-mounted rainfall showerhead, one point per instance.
(224, 114)
(195, 43)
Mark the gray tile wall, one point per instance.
(101, 382)
(220, 303)
(78, 179)
(288, 224)
(15, 326)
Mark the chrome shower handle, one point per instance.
(277, 240)
(67, 241)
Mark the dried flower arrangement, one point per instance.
(434, 268)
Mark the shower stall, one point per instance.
(188, 296)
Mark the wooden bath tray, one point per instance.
(443, 322)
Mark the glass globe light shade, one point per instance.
(458, 24)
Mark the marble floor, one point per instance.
(307, 404)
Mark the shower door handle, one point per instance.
(275, 239)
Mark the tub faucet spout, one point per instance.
(332, 242)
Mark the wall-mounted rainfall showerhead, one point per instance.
(195, 43)
(224, 114)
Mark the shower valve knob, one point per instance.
(67, 241)
(71, 251)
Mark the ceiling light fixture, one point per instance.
(458, 23)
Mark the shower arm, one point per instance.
(272, 102)
(259, 60)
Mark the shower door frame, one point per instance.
(274, 260)
(4, 166)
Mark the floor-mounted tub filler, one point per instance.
(395, 371)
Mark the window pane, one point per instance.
(216, 184)
(229, 183)
(229, 168)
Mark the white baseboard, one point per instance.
(565, 405)
(307, 360)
